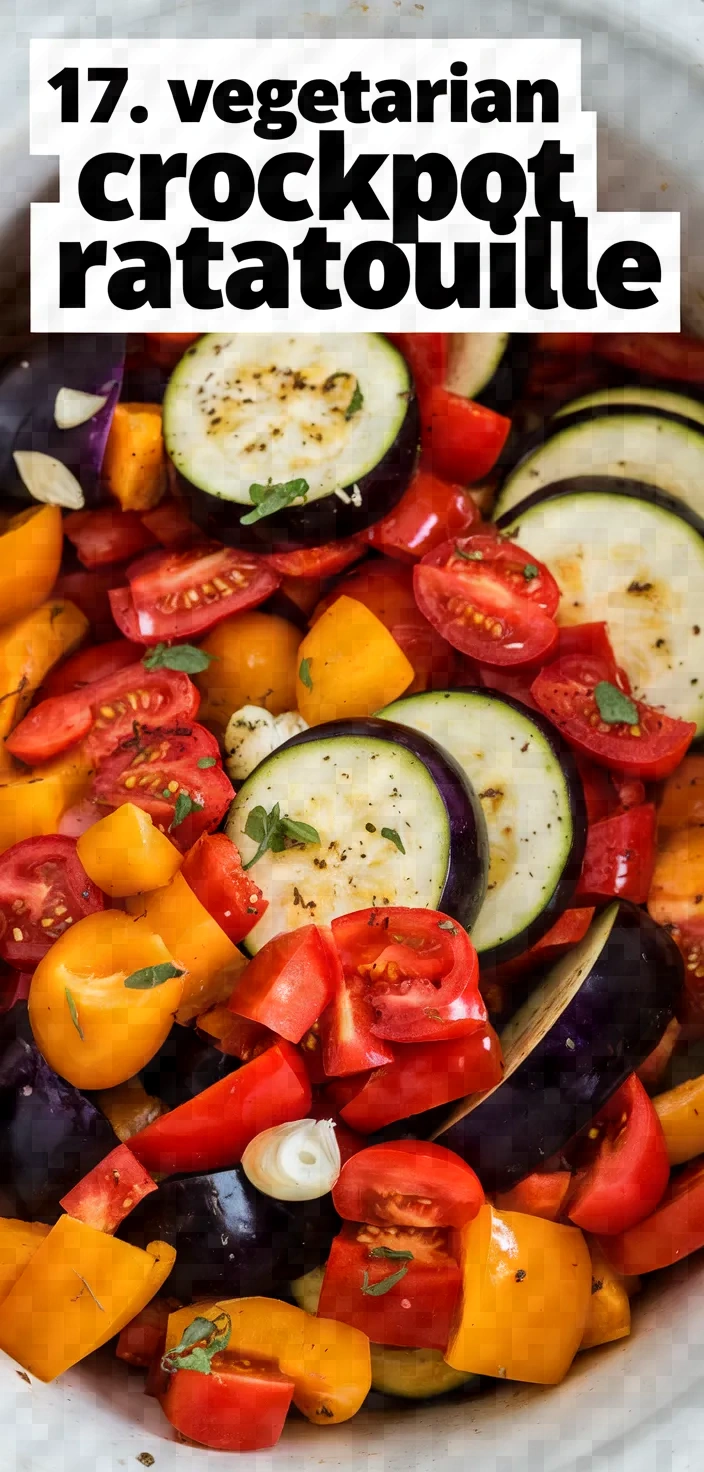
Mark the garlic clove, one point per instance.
(299, 1161)
(48, 480)
(73, 407)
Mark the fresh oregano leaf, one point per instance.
(304, 674)
(301, 832)
(270, 498)
(377, 1290)
(614, 706)
(393, 837)
(183, 807)
(183, 657)
(269, 831)
(151, 976)
(201, 1341)
(73, 1010)
(392, 1253)
(355, 402)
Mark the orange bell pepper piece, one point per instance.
(78, 1289)
(678, 877)
(524, 1300)
(195, 941)
(124, 853)
(33, 803)
(609, 1313)
(353, 665)
(682, 801)
(329, 1362)
(134, 465)
(29, 649)
(18, 1243)
(681, 1114)
(30, 556)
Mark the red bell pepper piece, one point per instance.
(462, 440)
(398, 1286)
(107, 536)
(571, 927)
(421, 1076)
(620, 857)
(210, 1131)
(288, 983)
(431, 511)
(110, 1191)
(213, 870)
(238, 1407)
(425, 354)
(348, 1044)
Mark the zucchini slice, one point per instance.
(635, 395)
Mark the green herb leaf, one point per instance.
(391, 1253)
(304, 674)
(269, 830)
(393, 837)
(151, 976)
(377, 1290)
(201, 1341)
(74, 1013)
(447, 925)
(184, 657)
(530, 571)
(469, 556)
(207, 761)
(355, 402)
(614, 706)
(271, 498)
(183, 807)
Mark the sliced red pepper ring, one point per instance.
(619, 857)
(288, 983)
(397, 1284)
(408, 1183)
(110, 1191)
(627, 1168)
(420, 970)
(175, 594)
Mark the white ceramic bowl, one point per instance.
(636, 1406)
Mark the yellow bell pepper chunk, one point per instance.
(524, 1300)
(352, 663)
(79, 1288)
(30, 556)
(33, 803)
(195, 941)
(134, 468)
(329, 1362)
(18, 1243)
(681, 1114)
(124, 853)
(609, 1314)
(129, 1107)
(29, 649)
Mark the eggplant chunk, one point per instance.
(185, 1065)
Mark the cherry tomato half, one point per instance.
(176, 594)
(674, 1229)
(421, 972)
(174, 773)
(489, 599)
(564, 692)
(91, 664)
(628, 1171)
(104, 713)
(43, 890)
(319, 562)
(408, 1183)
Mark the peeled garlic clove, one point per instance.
(74, 407)
(47, 480)
(253, 733)
(294, 1162)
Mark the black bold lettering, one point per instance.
(91, 186)
(430, 288)
(614, 272)
(549, 97)
(575, 265)
(500, 213)
(155, 173)
(548, 165)
(190, 109)
(409, 208)
(316, 101)
(272, 178)
(240, 186)
(495, 107)
(145, 285)
(314, 252)
(196, 253)
(75, 261)
(271, 123)
(502, 274)
(395, 108)
(538, 286)
(426, 94)
(265, 284)
(396, 275)
(232, 101)
(340, 188)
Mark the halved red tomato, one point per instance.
(674, 1229)
(408, 1183)
(174, 773)
(461, 440)
(592, 640)
(429, 512)
(386, 588)
(107, 536)
(626, 1169)
(489, 600)
(319, 562)
(213, 869)
(104, 713)
(420, 969)
(91, 664)
(43, 889)
(650, 748)
(176, 594)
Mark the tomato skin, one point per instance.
(476, 607)
(592, 641)
(485, 552)
(90, 591)
(210, 1131)
(383, 1184)
(620, 857)
(564, 693)
(158, 757)
(111, 1190)
(420, 969)
(675, 1228)
(36, 876)
(415, 1312)
(213, 869)
(348, 1043)
(571, 927)
(461, 440)
(107, 536)
(319, 562)
(96, 662)
(426, 355)
(422, 1076)
(105, 712)
(629, 1173)
(543, 1193)
(429, 512)
(158, 604)
(659, 354)
(288, 983)
(386, 589)
(236, 1408)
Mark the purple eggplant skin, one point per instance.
(230, 1239)
(28, 389)
(50, 1134)
(607, 1030)
(326, 520)
(185, 1064)
(468, 861)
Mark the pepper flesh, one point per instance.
(124, 853)
(30, 550)
(609, 1313)
(354, 665)
(681, 1114)
(195, 941)
(31, 647)
(525, 1297)
(18, 1243)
